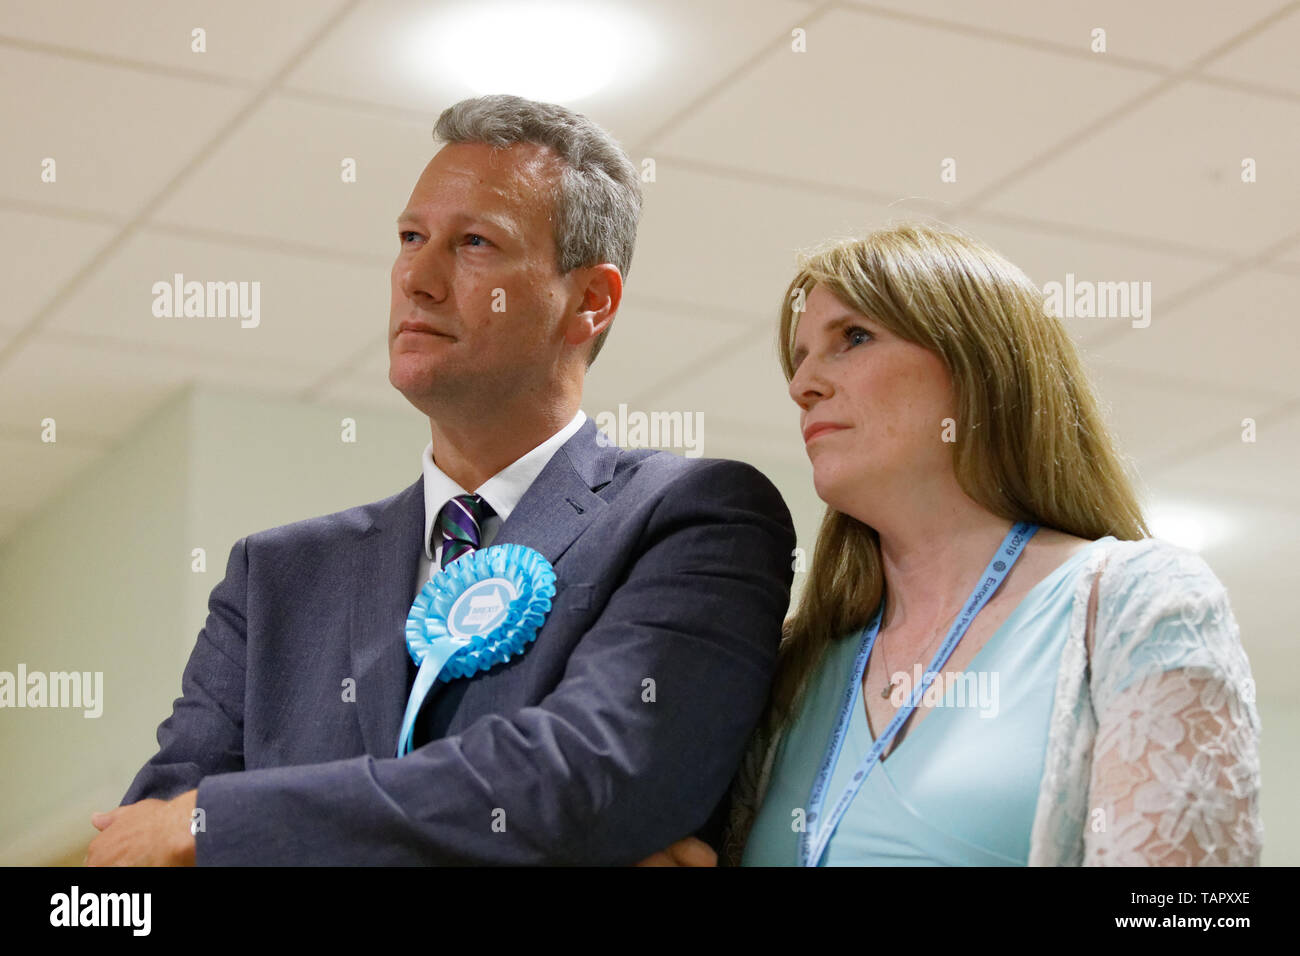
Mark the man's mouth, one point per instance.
(419, 328)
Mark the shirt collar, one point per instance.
(502, 491)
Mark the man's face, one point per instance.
(477, 273)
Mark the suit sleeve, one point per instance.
(633, 749)
(204, 734)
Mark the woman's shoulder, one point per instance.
(1165, 631)
(1161, 605)
(1141, 570)
(1153, 569)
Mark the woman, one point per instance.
(1092, 703)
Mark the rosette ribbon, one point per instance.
(477, 612)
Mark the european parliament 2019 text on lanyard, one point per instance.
(812, 842)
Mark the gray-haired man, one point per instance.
(618, 731)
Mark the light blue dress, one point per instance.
(961, 788)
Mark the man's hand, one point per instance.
(148, 833)
(687, 852)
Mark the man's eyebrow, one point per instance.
(505, 225)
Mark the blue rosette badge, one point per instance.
(479, 611)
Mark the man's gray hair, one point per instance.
(599, 202)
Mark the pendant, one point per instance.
(889, 689)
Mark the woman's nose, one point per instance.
(807, 386)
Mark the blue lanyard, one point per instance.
(812, 842)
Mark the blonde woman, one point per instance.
(991, 662)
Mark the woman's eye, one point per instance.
(856, 334)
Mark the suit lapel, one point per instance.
(557, 507)
(383, 573)
(561, 503)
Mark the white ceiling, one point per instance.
(1115, 166)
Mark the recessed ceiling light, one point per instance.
(554, 52)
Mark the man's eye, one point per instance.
(401, 236)
(475, 235)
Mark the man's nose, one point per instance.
(422, 276)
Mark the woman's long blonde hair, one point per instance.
(1030, 440)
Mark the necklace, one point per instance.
(890, 683)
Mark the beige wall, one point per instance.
(101, 580)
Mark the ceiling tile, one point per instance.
(1053, 256)
(314, 314)
(246, 39)
(1169, 33)
(1152, 419)
(1239, 334)
(1257, 473)
(731, 243)
(1268, 59)
(280, 176)
(1289, 258)
(877, 103)
(37, 255)
(646, 346)
(117, 136)
(742, 384)
(1171, 170)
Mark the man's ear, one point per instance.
(601, 295)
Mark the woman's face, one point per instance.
(873, 408)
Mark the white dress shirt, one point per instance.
(502, 491)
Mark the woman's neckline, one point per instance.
(1048, 580)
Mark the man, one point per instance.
(618, 730)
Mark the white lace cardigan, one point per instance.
(1152, 753)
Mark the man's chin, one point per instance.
(425, 388)
(415, 370)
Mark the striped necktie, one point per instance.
(460, 521)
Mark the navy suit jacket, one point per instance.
(614, 735)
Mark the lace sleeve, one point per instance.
(1175, 765)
